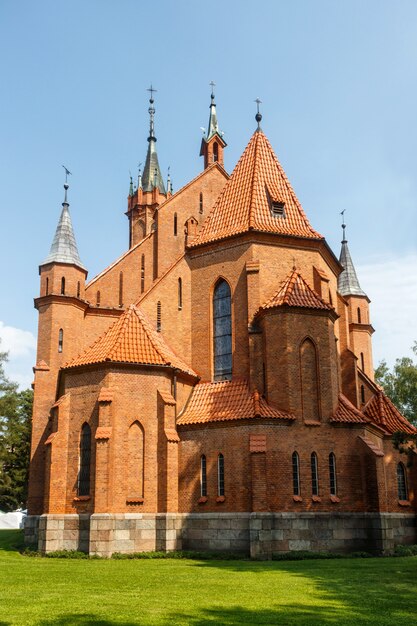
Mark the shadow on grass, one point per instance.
(89, 619)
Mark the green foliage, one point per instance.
(400, 384)
(406, 550)
(15, 430)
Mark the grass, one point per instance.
(162, 592)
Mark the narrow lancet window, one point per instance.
(63, 286)
(359, 315)
(158, 316)
(135, 461)
(201, 203)
(85, 461)
(98, 298)
(309, 381)
(121, 289)
(332, 474)
(60, 340)
(180, 293)
(175, 224)
(220, 475)
(314, 475)
(142, 274)
(203, 476)
(222, 331)
(215, 151)
(47, 287)
(295, 474)
(402, 482)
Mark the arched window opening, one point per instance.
(47, 287)
(402, 482)
(222, 331)
(215, 151)
(135, 461)
(362, 362)
(98, 298)
(314, 475)
(142, 274)
(295, 474)
(175, 224)
(180, 293)
(121, 289)
(158, 316)
(362, 394)
(63, 286)
(203, 476)
(220, 475)
(309, 381)
(332, 474)
(78, 289)
(85, 461)
(201, 203)
(60, 340)
(359, 315)
(330, 297)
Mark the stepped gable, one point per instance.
(131, 339)
(295, 291)
(227, 401)
(246, 202)
(382, 412)
(346, 412)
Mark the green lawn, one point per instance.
(108, 592)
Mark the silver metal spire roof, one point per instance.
(151, 176)
(64, 248)
(348, 283)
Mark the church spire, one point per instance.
(212, 144)
(64, 248)
(348, 283)
(152, 177)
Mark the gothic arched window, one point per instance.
(309, 381)
(175, 224)
(295, 474)
(60, 340)
(314, 475)
(359, 315)
(222, 331)
(85, 461)
(220, 475)
(402, 482)
(203, 476)
(63, 286)
(215, 151)
(332, 474)
(135, 460)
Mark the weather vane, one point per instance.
(66, 173)
(342, 213)
(258, 116)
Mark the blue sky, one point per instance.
(339, 91)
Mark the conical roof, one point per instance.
(131, 339)
(295, 291)
(347, 283)
(152, 176)
(258, 196)
(64, 248)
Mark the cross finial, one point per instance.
(258, 116)
(212, 85)
(342, 213)
(152, 91)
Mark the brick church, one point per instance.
(213, 387)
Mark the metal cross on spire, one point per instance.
(212, 85)
(258, 116)
(342, 213)
(152, 91)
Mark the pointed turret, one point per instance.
(212, 144)
(64, 248)
(348, 283)
(152, 177)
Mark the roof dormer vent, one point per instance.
(277, 209)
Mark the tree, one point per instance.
(15, 430)
(400, 384)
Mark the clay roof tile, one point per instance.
(295, 291)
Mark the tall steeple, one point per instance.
(64, 248)
(212, 144)
(152, 177)
(348, 283)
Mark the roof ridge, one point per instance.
(254, 180)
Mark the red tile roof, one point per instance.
(131, 339)
(346, 412)
(227, 401)
(382, 412)
(295, 291)
(257, 181)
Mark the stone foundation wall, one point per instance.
(258, 534)
(31, 530)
